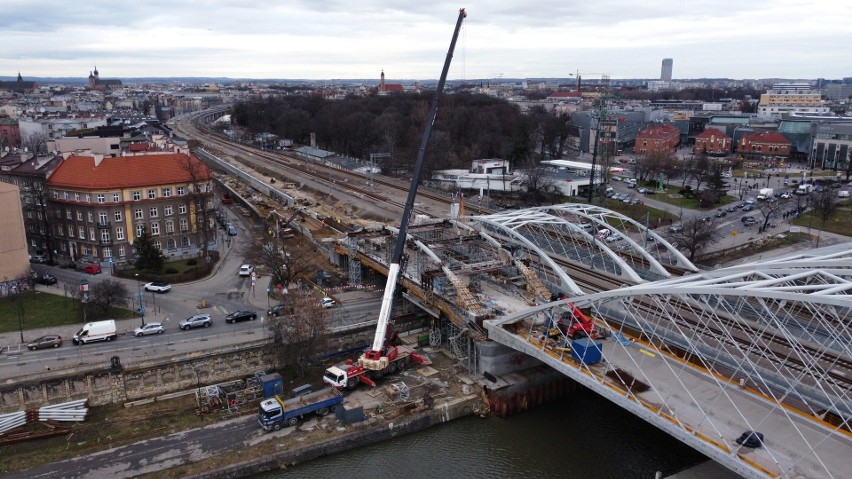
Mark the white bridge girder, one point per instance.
(576, 243)
(764, 346)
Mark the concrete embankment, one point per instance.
(373, 431)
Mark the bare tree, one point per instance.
(694, 236)
(200, 192)
(108, 293)
(539, 184)
(824, 203)
(770, 210)
(285, 263)
(36, 143)
(301, 333)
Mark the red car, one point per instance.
(92, 269)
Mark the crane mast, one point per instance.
(377, 357)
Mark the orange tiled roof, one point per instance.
(124, 171)
(768, 137)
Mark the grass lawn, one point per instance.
(840, 222)
(640, 213)
(672, 197)
(42, 310)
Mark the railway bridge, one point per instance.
(704, 356)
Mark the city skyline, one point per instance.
(329, 40)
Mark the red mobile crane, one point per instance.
(381, 357)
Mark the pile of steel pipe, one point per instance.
(11, 421)
(69, 411)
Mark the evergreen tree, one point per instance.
(148, 256)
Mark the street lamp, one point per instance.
(139, 296)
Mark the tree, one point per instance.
(824, 203)
(301, 333)
(200, 192)
(285, 264)
(539, 184)
(108, 293)
(36, 143)
(148, 256)
(695, 236)
(769, 211)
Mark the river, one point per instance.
(580, 436)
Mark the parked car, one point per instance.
(46, 279)
(721, 214)
(748, 207)
(38, 259)
(241, 315)
(327, 302)
(676, 228)
(731, 209)
(196, 321)
(246, 270)
(748, 220)
(785, 195)
(276, 310)
(602, 233)
(92, 269)
(643, 190)
(158, 286)
(48, 341)
(148, 328)
(612, 239)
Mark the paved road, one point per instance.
(158, 454)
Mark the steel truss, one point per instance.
(762, 346)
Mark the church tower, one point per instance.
(382, 82)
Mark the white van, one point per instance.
(843, 194)
(96, 331)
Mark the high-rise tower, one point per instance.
(666, 70)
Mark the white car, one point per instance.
(246, 270)
(327, 303)
(158, 287)
(149, 328)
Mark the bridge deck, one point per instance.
(681, 401)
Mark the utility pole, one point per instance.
(373, 162)
(601, 115)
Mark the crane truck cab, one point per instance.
(575, 324)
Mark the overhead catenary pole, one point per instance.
(378, 348)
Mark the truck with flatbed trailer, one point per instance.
(275, 412)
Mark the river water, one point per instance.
(580, 436)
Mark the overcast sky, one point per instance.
(336, 39)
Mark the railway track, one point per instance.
(731, 332)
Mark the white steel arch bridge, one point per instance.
(760, 347)
(705, 356)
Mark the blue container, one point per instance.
(586, 350)
(272, 384)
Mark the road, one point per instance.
(224, 291)
(157, 454)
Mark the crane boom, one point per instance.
(372, 358)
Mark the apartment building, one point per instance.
(29, 173)
(791, 98)
(100, 205)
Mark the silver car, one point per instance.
(148, 328)
(196, 321)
